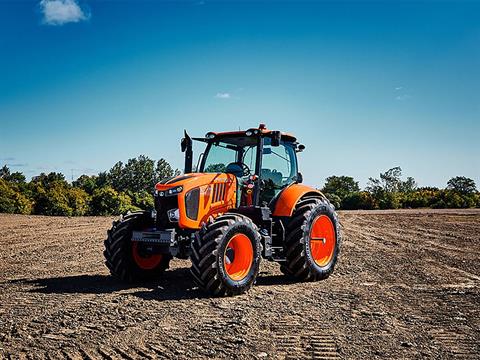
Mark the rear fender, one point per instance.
(288, 198)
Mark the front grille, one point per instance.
(219, 190)
(162, 205)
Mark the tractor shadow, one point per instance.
(273, 280)
(175, 284)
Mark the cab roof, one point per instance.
(252, 132)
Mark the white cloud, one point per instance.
(223, 95)
(398, 88)
(59, 12)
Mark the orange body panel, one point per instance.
(289, 198)
(217, 195)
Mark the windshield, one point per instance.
(232, 154)
(218, 157)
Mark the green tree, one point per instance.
(107, 201)
(163, 170)
(421, 198)
(408, 185)
(102, 180)
(340, 186)
(78, 201)
(462, 185)
(52, 200)
(86, 183)
(388, 190)
(334, 200)
(47, 180)
(12, 201)
(139, 174)
(15, 177)
(50, 194)
(4, 172)
(143, 199)
(359, 200)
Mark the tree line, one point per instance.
(129, 186)
(125, 187)
(390, 191)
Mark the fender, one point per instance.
(288, 198)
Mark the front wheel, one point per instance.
(313, 240)
(131, 260)
(226, 255)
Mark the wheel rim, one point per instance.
(145, 261)
(322, 240)
(238, 257)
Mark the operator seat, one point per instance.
(272, 180)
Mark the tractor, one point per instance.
(245, 201)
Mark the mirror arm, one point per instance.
(187, 147)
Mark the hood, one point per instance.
(192, 180)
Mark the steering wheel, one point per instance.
(239, 169)
(246, 170)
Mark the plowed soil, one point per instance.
(406, 286)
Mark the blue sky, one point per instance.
(365, 86)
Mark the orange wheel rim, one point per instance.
(147, 262)
(322, 240)
(238, 257)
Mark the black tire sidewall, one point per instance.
(128, 224)
(321, 209)
(252, 234)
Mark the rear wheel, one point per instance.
(130, 260)
(226, 255)
(313, 240)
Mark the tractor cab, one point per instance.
(264, 162)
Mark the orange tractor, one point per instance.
(244, 202)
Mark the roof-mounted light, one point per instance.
(249, 133)
(210, 135)
(300, 148)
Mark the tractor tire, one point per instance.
(226, 255)
(124, 258)
(312, 241)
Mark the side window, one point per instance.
(250, 157)
(278, 165)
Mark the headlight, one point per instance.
(172, 191)
(173, 215)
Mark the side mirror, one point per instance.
(186, 142)
(186, 145)
(276, 137)
(299, 178)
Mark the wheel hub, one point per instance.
(322, 240)
(238, 257)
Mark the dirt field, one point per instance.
(406, 286)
